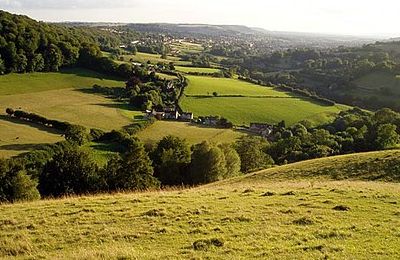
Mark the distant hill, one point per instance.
(205, 29)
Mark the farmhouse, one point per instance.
(186, 116)
(262, 129)
(171, 113)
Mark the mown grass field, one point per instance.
(251, 103)
(166, 76)
(187, 47)
(265, 215)
(192, 133)
(17, 137)
(12, 84)
(71, 105)
(196, 69)
(201, 85)
(143, 57)
(61, 96)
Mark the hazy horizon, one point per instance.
(357, 18)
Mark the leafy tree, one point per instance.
(15, 183)
(171, 159)
(208, 164)
(70, 171)
(232, 160)
(53, 58)
(76, 134)
(387, 136)
(133, 171)
(252, 154)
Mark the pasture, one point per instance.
(192, 133)
(262, 215)
(242, 102)
(143, 57)
(17, 137)
(196, 69)
(12, 84)
(72, 105)
(200, 85)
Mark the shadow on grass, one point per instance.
(82, 72)
(108, 147)
(21, 147)
(23, 122)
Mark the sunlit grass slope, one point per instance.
(268, 215)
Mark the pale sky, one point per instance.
(348, 17)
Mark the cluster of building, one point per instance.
(169, 113)
(263, 129)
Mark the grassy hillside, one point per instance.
(61, 96)
(199, 85)
(371, 166)
(193, 134)
(251, 103)
(71, 105)
(196, 69)
(260, 216)
(143, 57)
(17, 137)
(11, 84)
(270, 110)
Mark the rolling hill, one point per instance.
(268, 214)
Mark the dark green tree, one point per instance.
(133, 171)
(251, 150)
(171, 158)
(70, 171)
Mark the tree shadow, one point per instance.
(83, 72)
(21, 147)
(34, 125)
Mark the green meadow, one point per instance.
(196, 69)
(287, 212)
(63, 96)
(242, 102)
(11, 84)
(143, 57)
(192, 133)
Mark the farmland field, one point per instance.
(16, 137)
(264, 215)
(36, 82)
(143, 57)
(196, 69)
(192, 133)
(255, 103)
(59, 96)
(199, 85)
(245, 110)
(71, 105)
